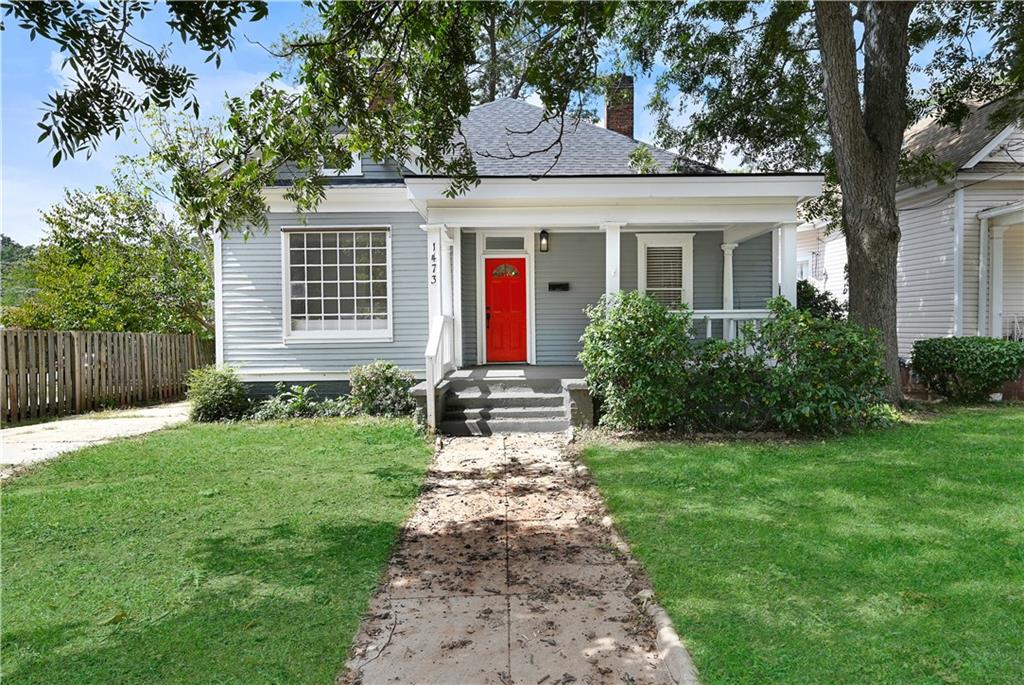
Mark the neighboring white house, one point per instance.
(391, 267)
(821, 258)
(961, 256)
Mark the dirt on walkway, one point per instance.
(506, 574)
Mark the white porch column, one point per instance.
(787, 262)
(436, 275)
(727, 288)
(612, 258)
(997, 280)
(983, 303)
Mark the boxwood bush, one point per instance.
(818, 303)
(216, 394)
(796, 373)
(967, 369)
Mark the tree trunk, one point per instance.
(866, 141)
(872, 237)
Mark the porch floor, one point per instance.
(526, 372)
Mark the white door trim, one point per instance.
(529, 240)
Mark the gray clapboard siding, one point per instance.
(468, 298)
(751, 272)
(253, 319)
(576, 258)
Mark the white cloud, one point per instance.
(60, 72)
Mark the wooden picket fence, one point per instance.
(51, 373)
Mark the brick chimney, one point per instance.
(618, 106)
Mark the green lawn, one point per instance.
(888, 557)
(203, 554)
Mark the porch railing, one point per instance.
(732, 320)
(440, 358)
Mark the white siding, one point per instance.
(1010, 150)
(977, 198)
(806, 247)
(924, 304)
(835, 266)
(832, 251)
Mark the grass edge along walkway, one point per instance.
(889, 556)
(233, 553)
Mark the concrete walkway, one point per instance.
(24, 445)
(505, 574)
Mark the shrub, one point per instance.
(216, 394)
(300, 402)
(826, 376)
(967, 369)
(726, 389)
(381, 389)
(797, 373)
(634, 353)
(818, 303)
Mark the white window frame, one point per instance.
(804, 270)
(683, 240)
(356, 169)
(292, 337)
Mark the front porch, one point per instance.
(513, 265)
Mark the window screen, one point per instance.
(665, 275)
(338, 280)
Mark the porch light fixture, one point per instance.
(543, 241)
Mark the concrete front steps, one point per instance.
(474, 406)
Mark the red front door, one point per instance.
(505, 318)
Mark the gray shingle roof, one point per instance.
(587, 150)
(948, 144)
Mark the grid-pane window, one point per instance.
(338, 280)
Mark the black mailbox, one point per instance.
(558, 287)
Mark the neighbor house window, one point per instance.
(338, 283)
(665, 267)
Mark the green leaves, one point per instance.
(101, 56)
(967, 369)
(112, 261)
(796, 373)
